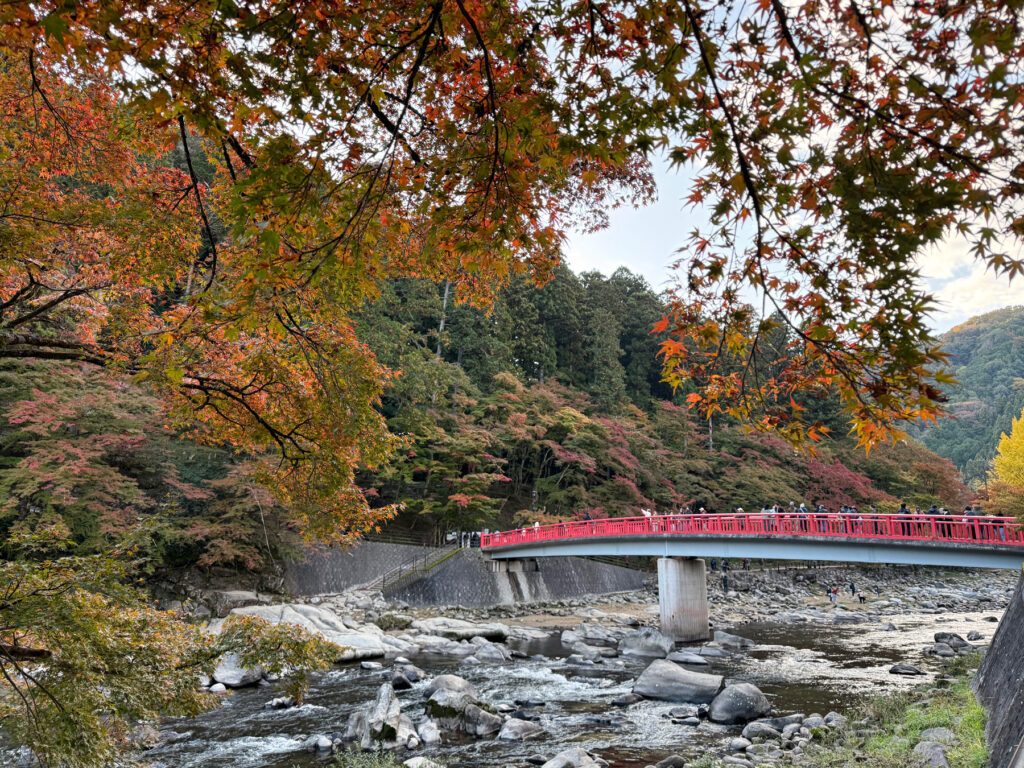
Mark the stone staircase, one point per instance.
(412, 571)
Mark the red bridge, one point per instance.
(679, 540)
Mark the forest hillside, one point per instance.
(987, 360)
(548, 406)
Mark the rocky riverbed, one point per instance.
(584, 683)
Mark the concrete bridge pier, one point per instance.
(683, 598)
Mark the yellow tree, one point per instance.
(1007, 488)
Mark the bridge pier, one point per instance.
(683, 598)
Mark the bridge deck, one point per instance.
(992, 542)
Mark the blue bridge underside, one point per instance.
(761, 547)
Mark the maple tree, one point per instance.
(833, 142)
(1007, 489)
(84, 657)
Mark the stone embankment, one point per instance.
(999, 684)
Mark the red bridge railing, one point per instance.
(933, 528)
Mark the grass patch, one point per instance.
(902, 717)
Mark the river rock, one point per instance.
(941, 650)
(754, 730)
(646, 641)
(385, 714)
(975, 636)
(520, 730)
(627, 699)
(739, 703)
(231, 674)
(218, 688)
(399, 681)
(764, 752)
(672, 761)
(669, 682)
(367, 643)
(732, 642)
(941, 735)
(814, 721)
(932, 754)
(739, 744)
(421, 762)
(572, 758)
(445, 704)
(405, 733)
(951, 639)
(457, 629)
(905, 669)
(452, 683)
(428, 732)
(480, 722)
(685, 657)
(490, 652)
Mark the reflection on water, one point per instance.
(802, 668)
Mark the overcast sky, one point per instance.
(646, 241)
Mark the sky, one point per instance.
(646, 241)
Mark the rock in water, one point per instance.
(739, 703)
(428, 732)
(670, 682)
(571, 758)
(646, 642)
(385, 714)
(421, 762)
(452, 683)
(686, 657)
(480, 722)
(229, 673)
(520, 730)
(358, 731)
(733, 642)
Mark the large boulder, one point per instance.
(385, 714)
(670, 682)
(739, 703)
(445, 705)
(233, 675)
(646, 642)
(367, 643)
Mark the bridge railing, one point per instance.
(934, 528)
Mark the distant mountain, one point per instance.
(987, 359)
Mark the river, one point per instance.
(802, 667)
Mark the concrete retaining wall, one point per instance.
(335, 570)
(466, 579)
(1000, 683)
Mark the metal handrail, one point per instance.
(895, 527)
(419, 565)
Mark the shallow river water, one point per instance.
(802, 668)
